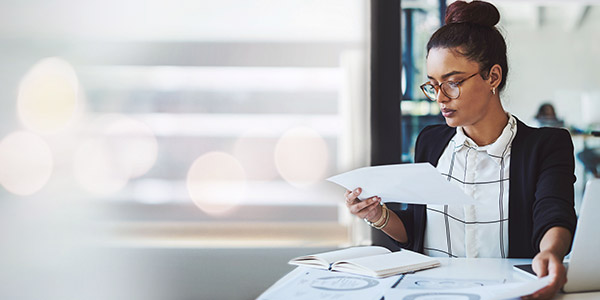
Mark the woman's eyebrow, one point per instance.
(447, 75)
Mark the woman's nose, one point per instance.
(441, 97)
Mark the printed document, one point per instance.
(315, 284)
(418, 183)
(483, 292)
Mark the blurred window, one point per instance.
(194, 111)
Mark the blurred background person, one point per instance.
(546, 116)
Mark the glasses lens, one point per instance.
(429, 91)
(451, 90)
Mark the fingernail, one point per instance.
(357, 191)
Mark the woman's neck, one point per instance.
(488, 130)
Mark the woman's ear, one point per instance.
(495, 76)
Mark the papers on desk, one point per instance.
(315, 284)
(418, 183)
(417, 282)
(485, 292)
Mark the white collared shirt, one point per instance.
(479, 230)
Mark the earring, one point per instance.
(494, 91)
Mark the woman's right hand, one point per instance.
(369, 209)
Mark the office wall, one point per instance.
(551, 64)
(558, 63)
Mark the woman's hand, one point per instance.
(548, 263)
(369, 209)
(372, 210)
(553, 248)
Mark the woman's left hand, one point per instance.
(548, 263)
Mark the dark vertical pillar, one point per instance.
(386, 94)
(386, 91)
(407, 54)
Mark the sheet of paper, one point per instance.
(418, 183)
(416, 282)
(314, 284)
(518, 289)
(484, 292)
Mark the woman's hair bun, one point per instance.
(476, 12)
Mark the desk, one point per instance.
(468, 268)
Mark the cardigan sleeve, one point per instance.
(407, 217)
(553, 204)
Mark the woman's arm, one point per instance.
(553, 247)
(554, 204)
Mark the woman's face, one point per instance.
(475, 100)
(548, 111)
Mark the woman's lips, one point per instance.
(447, 113)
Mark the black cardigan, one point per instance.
(540, 186)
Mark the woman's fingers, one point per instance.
(359, 206)
(540, 267)
(372, 212)
(363, 208)
(352, 195)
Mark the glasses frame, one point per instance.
(438, 87)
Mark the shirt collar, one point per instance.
(497, 149)
(461, 140)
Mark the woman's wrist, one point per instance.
(382, 220)
(381, 215)
(556, 241)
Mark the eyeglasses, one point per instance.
(450, 88)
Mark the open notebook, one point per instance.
(372, 261)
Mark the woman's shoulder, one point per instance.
(432, 135)
(543, 141)
(431, 142)
(437, 131)
(542, 134)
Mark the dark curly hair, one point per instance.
(470, 31)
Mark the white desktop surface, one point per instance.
(470, 268)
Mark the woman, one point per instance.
(546, 116)
(521, 177)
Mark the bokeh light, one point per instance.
(301, 156)
(216, 182)
(96, 168)
(48, 96)
(26, 163)
(133, 143)
(255, 152)
(121, 148)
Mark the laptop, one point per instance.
(582, 269)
